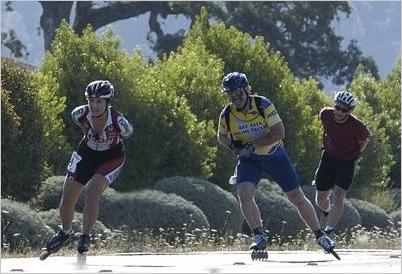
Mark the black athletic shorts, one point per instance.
(332, 172)
(86, 162)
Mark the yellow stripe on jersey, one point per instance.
(248, 127)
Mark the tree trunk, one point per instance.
(52, 15)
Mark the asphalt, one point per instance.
(352, 261)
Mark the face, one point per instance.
(238, 98)
(341, 111)
(96, 106)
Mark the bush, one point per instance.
(371, 215)
(396, 217)
(49, 194)
(53, 220)
(21, 227)
(396, 196)
(267, 188)
(147, 209)
(211, 199)
(279, 216)
(350, 215)
(21, 133)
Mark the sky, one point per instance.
(375, 24)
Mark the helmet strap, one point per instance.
(247, 100)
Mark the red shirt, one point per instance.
(342, 140)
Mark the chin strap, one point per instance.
(245, 103)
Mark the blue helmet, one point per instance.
(233, 81)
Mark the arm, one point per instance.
(126, 129)
(363, 144)
(276, 133)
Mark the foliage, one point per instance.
(147, 209)
(220, 206)
(386, 102)
(49, 194)
(279, 216)
(22, 139)
(373, 167)
(53, 220)
(350, 216)
(269, 76)
(371, 215)
(21, 227)
(76, 60)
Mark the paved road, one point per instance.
(352, 261)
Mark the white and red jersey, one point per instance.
(116, 128)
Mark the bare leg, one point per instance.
(322, 199)
(249, 208)
(304, 207)
(95, 187)
(71, 194)
(338, 198)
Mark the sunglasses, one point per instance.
(344, 110)
(235, 95)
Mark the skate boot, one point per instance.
(258, 246)
(56, 242)
(327, 244)
(330, 232)
(82, 248)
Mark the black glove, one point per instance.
(247, 150)
(235, 147)
(241, 150)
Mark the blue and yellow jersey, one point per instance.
(248, 127)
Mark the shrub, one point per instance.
(396, 217)
(396, 196)
(267, 188)
(371, 215)
(49, 194)
(147, 209)
(21, 227)
(279, 216)
(21, 133)
(53, 220)
(350, 215)
(211, 199)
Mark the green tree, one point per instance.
(302, 32)
(373, 168)
(21, 133)
(269, 76)
(168, 140)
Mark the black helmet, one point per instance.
(100, 89)
(233, 81)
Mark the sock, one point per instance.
(258, 231)
(318, 233)
(67, 231)
(329, 228)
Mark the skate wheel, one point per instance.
(81, 258)
(259, 255)
(44, 255)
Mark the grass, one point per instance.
(190, 240)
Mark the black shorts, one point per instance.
(332, 172)
(86, 162)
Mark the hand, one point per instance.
(246, 150)
(235, 147)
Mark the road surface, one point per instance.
(352, 261)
